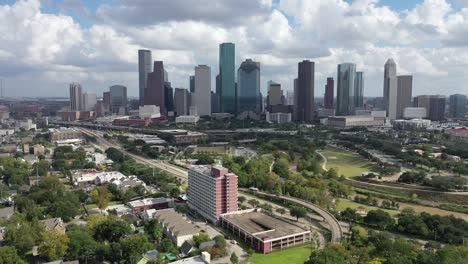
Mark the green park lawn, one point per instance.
(347, 163)
(297, 254)
(342, 204)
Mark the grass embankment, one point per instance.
(347, 163)
(297, 254)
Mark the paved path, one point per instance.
(335, 227)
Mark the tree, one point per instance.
(166, 245)
(253, 202)
(154, 230)
(380, 219)
(241, 199)
(53, 245)
(280, 210)
(327, 256)
(82, 244)
(204, 159)
(22, 235)
(115, 155)
(298, 212)
(200, 238)
(8, 255)
(234, 259)
(175, 192)
(134, 246)
(101, 196)
(111, 229)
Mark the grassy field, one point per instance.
(219, 150)
(343, 204)
(346, 162)
(297, 254)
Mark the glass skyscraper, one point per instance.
(144, 68)
(248, 84)
(457, 105)
(359, 90)
(226, 75)
(345, 89)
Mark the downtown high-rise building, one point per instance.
(305, 91)
(457, 105)
(181, 101)
(248, 87)
(404, 94)
(390, 89)
(89, 101)
(169, 98)
(227, 61)
(76, 97)
(275, 94)
(359, 90)
(144, 68)
(192, 83)
(118, 99)
(202, 96)
(437, 107)
(329, 93)
(155, 91)
(345, 88)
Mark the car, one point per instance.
(254, 189)
(233, 242)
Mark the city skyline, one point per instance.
(110, 59)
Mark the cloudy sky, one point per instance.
(46, 44)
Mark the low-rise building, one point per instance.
(180, 136)
(355, 121)
(149, 111)
(413, 124)
(27, 125)
(187, 119)
(264, 232)
(278, 118)
(175, 226)
(141, 205)
(55, 224)
(458, 132)
(414, 113)
(63, 133)
(38, 149)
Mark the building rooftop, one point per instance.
(175, 222)
(263, 226)
(148, 201)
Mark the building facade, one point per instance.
(457, 105)
(345, 98)
(329, 93)
(248, 92)
(437, 107)
(404, 94)
(275, 94)
(212, 191)
(118, 99)
(359, 90)
(155, 91)
(144, 68)
(305, 91)
(202, 96)
(226, 75)
(89, 101)
(181, 101)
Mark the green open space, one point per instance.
(342, 204)
(347, 163)
(297, 254)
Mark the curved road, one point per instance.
(337, 231)
(171, 169)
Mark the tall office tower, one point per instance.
(212, 191)
(154, 94)
(89, 101)
(192, 83)
(345, 97)
(404, 93)
(181, 101)
(144, 68)
(457, 105)
(218, 84)
(215, 103)
(106, 99)
(437, 107)
(75, 97)
(296, 100)
(329, 93)
(168, 97)
(118, 98)
(275, 94)
(422, 101)
(390, 89)
(305, 90)
(248, 89)
(226, 77)
(289, 97)
(202, 96)
(359, 90)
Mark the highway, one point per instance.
(171, 169)
(335, 227)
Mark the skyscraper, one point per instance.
(181, 101)
(144, 68)
(390, 89)
(89, 101)
(227, 79)
(202, 96)
(248, 90)
(76, 97)
(359, 90)
(305, 90)
(345, 98)
(168, 97)
(118, 98)
(154, 94)
(275, 94)
(437, 107)
(106, 99)
(457, 105)
(329, 93)
(404, 93)
(192, 83)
